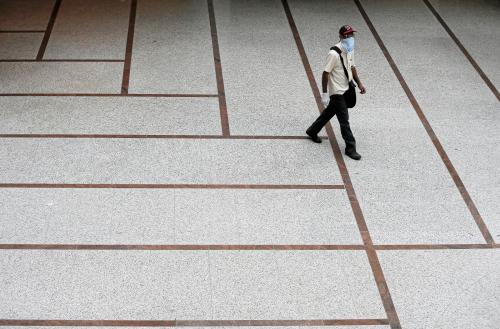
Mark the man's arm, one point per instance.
(358, 81)
(324, 81)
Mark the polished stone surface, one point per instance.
(109, 115)
(405, 192)
(304, 285)
(471, 138)
(166, 161)
(266, 86)
(19, 45)
(174, 216)
(25, 14)
(180, 61)
(60, 77)
(445, 289)
(85, 30)
(482, 43)
(187, 285)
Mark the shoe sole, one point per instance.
(317, 140)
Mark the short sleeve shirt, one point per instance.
(337, 81)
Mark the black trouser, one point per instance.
(335, 106)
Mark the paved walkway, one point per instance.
(154, 170)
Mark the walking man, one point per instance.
(335, 78)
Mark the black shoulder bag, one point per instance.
(350, 94)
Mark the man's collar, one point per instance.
(339, 45)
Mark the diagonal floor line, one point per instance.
(128, 48)
(437, 144)
(358, 214)
(218, 70)
(48, 31)
(464, 50)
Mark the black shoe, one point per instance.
(353, 155)
(314, 137)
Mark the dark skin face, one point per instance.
(348, 35)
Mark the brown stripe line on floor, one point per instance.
(22, 31)
(218, 70)
(237, 137)
(48, 31)
(242, 247)
(129, 46)
(61, 60)
(437, 144)
(175, 186)
(464, 50)
(194, 323)
(104, 95)
(358, 214)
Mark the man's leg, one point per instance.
(321, 121)
(345, 128)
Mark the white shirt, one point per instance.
(337, 81)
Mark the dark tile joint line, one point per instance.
(218, 70)
(172, 186)
(430, 132)
(128, 48)
(48, 31)
(464, 50)
(62, 60)
(106, 95)
(358, 214)
(243, 247)
(22, 31)
(192, 323)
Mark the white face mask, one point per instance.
(348, 44)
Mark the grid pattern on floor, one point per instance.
(340, 181)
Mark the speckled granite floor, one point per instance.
(154, 168)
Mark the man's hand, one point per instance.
(362, 88)
(325, 98)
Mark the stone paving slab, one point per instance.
(405, 191)
(419, 216)
(111, 216)
(95, 216)
(266, 86)
(445, 289)
(187, 285)
(482, 44)
(470, 140)
(289, 285)
(100, 285)
(265, 217)
(25, 14)
(188, 41)
(20, 45)
(166, 161)
(60, 77)
(109, 115)
(84, 29)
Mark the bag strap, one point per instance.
(340, 55)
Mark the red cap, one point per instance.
(346, 29)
